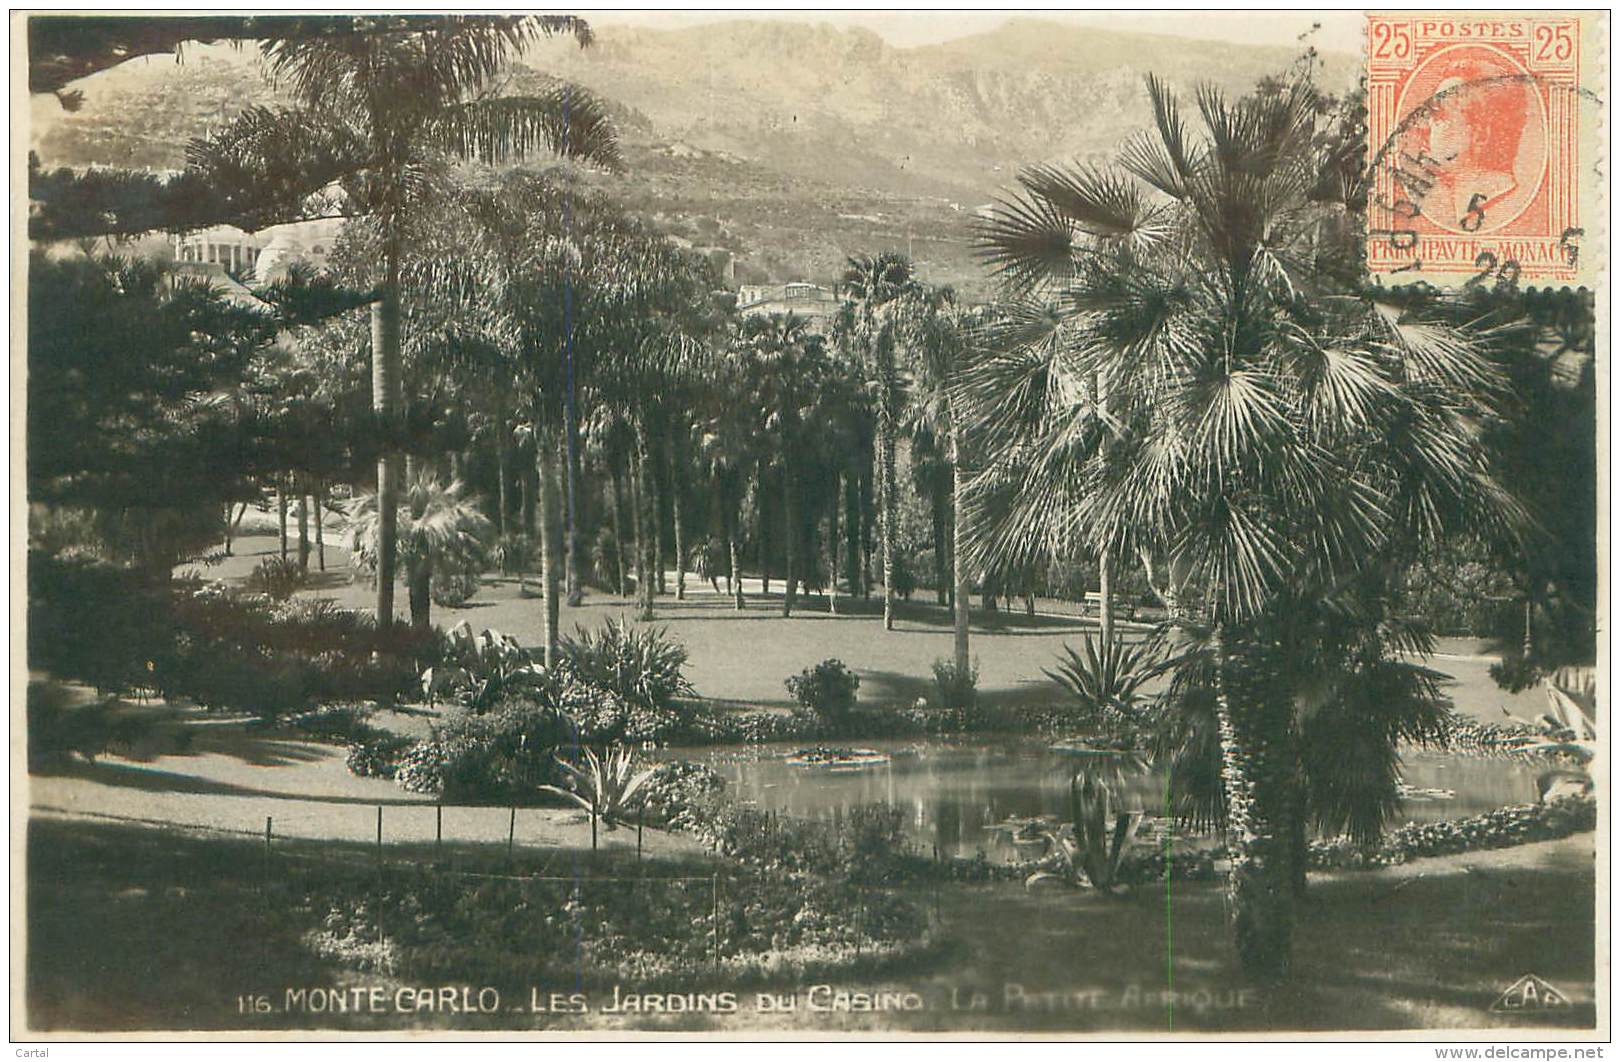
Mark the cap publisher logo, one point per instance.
(1529, 993)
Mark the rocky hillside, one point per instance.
(792, 144)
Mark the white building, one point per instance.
(813, 302)
(260, 256)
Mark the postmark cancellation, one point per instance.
(1484, 136)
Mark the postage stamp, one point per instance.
(1482, 147)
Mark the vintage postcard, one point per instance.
(811, 525)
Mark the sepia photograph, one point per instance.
(810, 525)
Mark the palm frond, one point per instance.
(1027, 242)
(567, 121)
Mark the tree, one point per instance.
(384, 107)
(136, 414)
(937, 333)
(1284, 439)
(874, 284)
(786, 353)
(441, 529)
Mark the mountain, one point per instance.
(791, 144)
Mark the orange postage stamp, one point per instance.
(1481, 143)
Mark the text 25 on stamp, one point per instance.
(1474, 144)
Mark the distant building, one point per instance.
(259, 256)
(813, 302)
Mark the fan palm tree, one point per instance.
(382, 106)
(875, 285)
(441, 528)
(1193, 383)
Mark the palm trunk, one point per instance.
(526, 486)
(619, 553)
(656, 490)
(281, 511)
(832, 543)
(386, 399)
(940, 587)
(1105, 595)
(503, 475)
(646, 524)
(790, 513)
(888, 508)
(419, 581)
(637, 567)
(762, 529)
(675, 515)
(228, 529)
(734, 580)
(303, 530)
(320, 536)
(550, 549)
(962, 596)
(574, 543)
(852, 533)
(1260, 891)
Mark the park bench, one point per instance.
(1122, 608)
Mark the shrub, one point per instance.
(277, 578)
(826, 691)
(453, 589)
(641, 664)
(347, 723)
(680, 794)
(94, 622)
(956, 690)
(478, 670)
(378, 757)
(57, 727)
(602, 717)
(905, 580)
(502, 756)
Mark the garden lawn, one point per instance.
(744, 657)
(221, 775)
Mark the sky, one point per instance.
(1340, 30)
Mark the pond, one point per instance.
(952, 792)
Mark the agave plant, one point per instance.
(1109, 680)
(1094, 848)
(605, 786)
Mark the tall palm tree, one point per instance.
(786, 353)
(1273, 432)
(874, 285)
(937, 332)
(441, 528)
(384, 105)
(728, 447)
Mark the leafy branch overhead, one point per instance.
(334, 153)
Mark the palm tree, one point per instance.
(874, 284)
(441, 527)
(490, 278)
(728, 448)
(382, 105)
(1273, 433)
(786, 353)
(938, 331)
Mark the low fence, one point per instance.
(516, 860)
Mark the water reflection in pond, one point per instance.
(951, 792)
